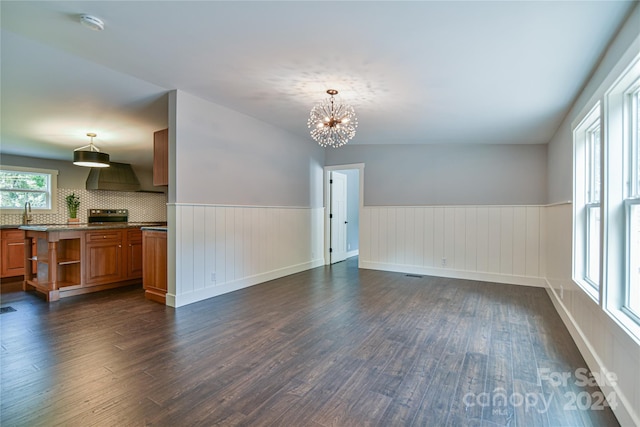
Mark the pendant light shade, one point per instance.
(91, 158)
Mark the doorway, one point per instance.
(343, 202)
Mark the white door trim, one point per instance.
(327, 200)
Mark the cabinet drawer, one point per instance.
(106, 236)
(13, 234)
(135, 234)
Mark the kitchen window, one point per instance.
(19, 186)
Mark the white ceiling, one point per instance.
(416, 72)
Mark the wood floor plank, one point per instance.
(330, 346)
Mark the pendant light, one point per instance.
(332, 123)
(91, 158)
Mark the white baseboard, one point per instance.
(456, 274)
(623, 410)
(245, 282)
(353, 253)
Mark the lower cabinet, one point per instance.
(104, 257)
(12, 253)
(133, 253)
(113, 256)
(76, 261)
(154, 265)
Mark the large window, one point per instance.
(606, 233)
(632, 202)
(587, 211)
(592, 206)
(19, 186)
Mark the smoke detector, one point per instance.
(92, 22)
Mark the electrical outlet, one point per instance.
(561, 292)
(348, 246)
(213, 277)
(444, 262)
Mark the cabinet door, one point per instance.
(161, 157)
(103, 262)
(155, 261)
(133, 252)
(12, 253)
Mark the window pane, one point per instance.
(594, 165)
(593, 245)
(636, 139)
(17, 199)
(633, 302)
(23, 180)
(18, 187)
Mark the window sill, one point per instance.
(588, 289)
(628, 325)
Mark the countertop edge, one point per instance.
(152, 228)
(88, 227)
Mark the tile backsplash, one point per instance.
(143, 207)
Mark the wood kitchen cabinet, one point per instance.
(12, 253)
(113, 256)
(154, 263)
(53, 262)
(133, 253)
(161, 157)
(71, 260)
(104, 257)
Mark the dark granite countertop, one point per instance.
(88, 226)
(9, 226)
(154, 228)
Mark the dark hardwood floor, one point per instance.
(331, 346)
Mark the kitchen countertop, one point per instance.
(10, 226)
(88, 226)
(154, 228)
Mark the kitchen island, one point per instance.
(66, 260)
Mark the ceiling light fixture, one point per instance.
(92, 22)
(91, 158)
(332, 123)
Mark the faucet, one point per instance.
(26, 216)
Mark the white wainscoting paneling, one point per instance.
(219, 249)
(491, 243)
(604, 344)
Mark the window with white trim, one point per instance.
(632, 205)
(592, 207)
(587, 187)
(621, 199)
(19, 186)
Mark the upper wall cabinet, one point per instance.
(161, 157)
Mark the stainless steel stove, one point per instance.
(100, 216)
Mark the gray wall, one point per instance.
(560, 152)
(225, 157)
(405, 175)
(71, 176)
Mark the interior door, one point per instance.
(338, 217)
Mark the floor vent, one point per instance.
(6, 309)
(417, 276)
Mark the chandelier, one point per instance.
(332, 123)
